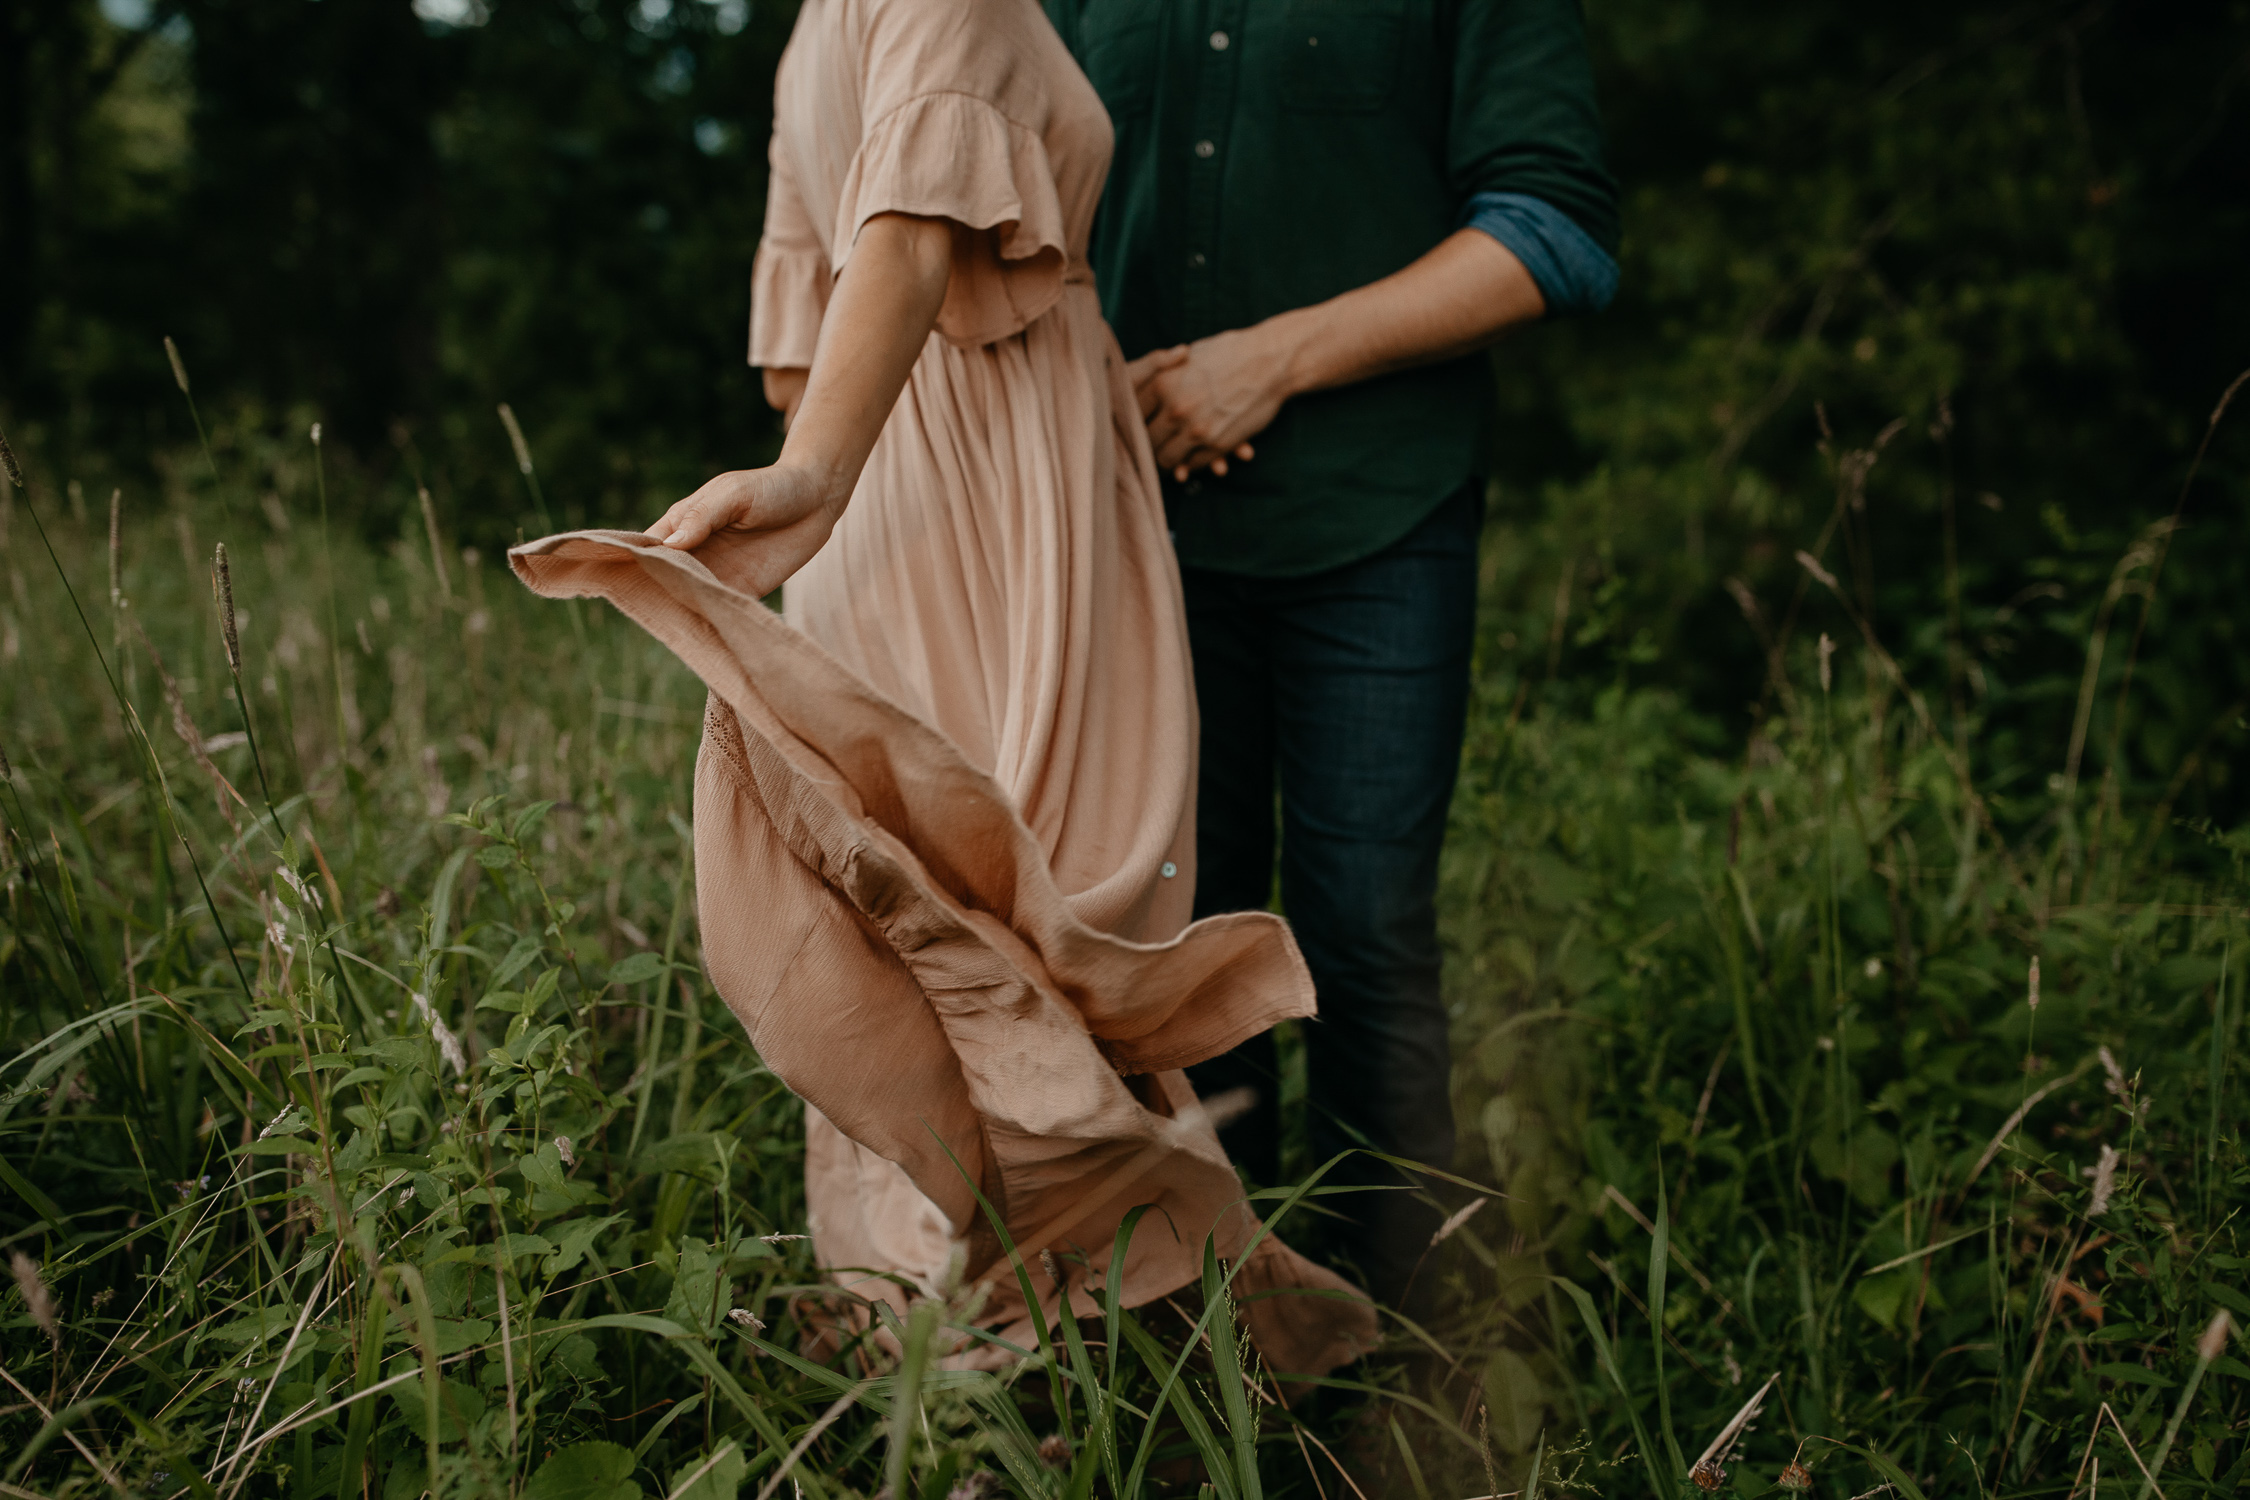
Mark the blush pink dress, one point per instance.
(944, 811)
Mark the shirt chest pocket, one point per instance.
(1341, 56)
(1118, 41)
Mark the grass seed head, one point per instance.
(39, 1301)
(8, 462)
(116, 578)
(437, 551)
(222, 590)
(179, 369)
(1827, 654)
(2214, 1339)
(2104, 1173)
(449, 1045)
(1459, 1217)
(2034, 999)
(515, 437)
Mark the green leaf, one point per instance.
(398, 1051)
(715, 1478)
(543, 1167)
(574, 1239)
(498, 857)
(701, 1292)
(1608, 1359)
(1882, 1297)
(585, 1471)
(270, 1322)
(459, 1406)
(530, 818)
(694, 1152)
(1515, 1401)
(2135, 1374)
(519, 958)
(2228, 1298)
(637, 968)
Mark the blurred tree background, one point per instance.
(1997, 246)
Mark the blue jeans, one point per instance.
(1351, 686)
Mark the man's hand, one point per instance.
(1204, 401)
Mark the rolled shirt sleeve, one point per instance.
(1574, 274)
(1524, 122)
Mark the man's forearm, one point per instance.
(1459, 298)
(1205, 403)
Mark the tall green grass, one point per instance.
(1847, 1055)
(367, 1128)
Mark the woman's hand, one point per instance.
(755, 527)
(1203, 402)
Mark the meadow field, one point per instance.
(1838, 1117)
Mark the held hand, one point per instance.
(755, 527)
(1203, 403)
(1143, 372)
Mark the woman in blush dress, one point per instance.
(944, 808)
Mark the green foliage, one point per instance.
(340, 211)
(1769, 1014)
(1940, 297)
(383, 1137)
(1994, 244)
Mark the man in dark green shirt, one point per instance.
(1319, 214)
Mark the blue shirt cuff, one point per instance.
(1574, 274)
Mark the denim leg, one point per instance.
(1234, 829)
(1371, 666)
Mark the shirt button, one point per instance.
(1195, 260)
(1170, 869)
(1205, 149)
(1219, 40)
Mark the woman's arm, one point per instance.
(755, 527)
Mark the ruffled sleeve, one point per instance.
(956, 156)
(790, 277)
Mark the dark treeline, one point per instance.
(341, 210)
(1955, 286)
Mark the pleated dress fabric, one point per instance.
(944, 809)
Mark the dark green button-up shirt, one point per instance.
(1275, 153)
